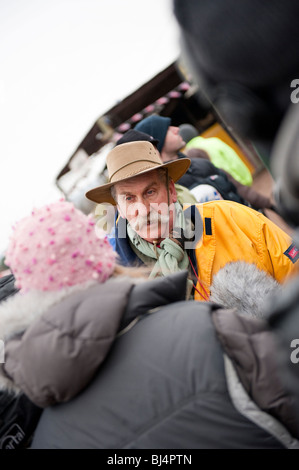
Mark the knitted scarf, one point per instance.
(169, 256)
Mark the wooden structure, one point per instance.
(166, 94)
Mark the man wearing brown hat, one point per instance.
(152, 229)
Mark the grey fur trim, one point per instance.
(243, 286)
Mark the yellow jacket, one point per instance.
(234, 232)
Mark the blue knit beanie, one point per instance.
(156, 126)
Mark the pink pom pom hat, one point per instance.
(57, 246)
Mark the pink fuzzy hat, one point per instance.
(55, 247)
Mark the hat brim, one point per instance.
(176, 169)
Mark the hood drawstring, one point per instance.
(206, 296)
(155, 242)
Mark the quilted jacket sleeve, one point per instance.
(252, 347)
(59, 353)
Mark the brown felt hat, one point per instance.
(132, 159)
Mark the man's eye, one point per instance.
(150, 192)
(129, 198)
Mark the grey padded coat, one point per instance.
(127, 365)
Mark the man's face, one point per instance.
(143, 201)
(173, 140)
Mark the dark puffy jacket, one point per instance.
(203, 171)
(55, 342)
(133, 366)
(165, 384)
(254, 198)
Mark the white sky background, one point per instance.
(63, 64)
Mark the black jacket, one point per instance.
(202, 171)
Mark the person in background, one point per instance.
(201, 170)
(220, 153)
(195, 149)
